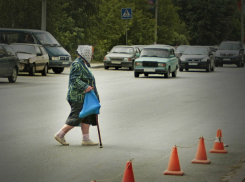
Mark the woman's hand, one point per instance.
(89, 89)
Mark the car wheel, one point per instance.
(174, 74)
(45, 70)
(32, 69)
(166, 75)
(13, 77)
(116, 68)
(106, 67)
(221, 64)
(180, 69)
(208, 67)
(136, 74)
(242, 64)
(186, 69)
(58, 70)
(216, 64)
(212, 69)
(146, 74)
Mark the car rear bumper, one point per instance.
(228, 60)
(199, 65)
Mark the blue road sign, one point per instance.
(126, 13)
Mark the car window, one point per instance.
(196, 51)
(10, 51)
(38, 51)
(123, 50)
(9, 38)
(26, 49)
(47, 39)
(28, 38)
(154, 52)
(43, 50)
(229, 46)
(2, 52)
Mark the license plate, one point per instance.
(65, 62)
(149, 70)
(193, 63)
(116, 62)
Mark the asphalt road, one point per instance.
(141, 119)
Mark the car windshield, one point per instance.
(181, 48)
(47, 39)
(27, 49)
(228, 46)
(196, 51)
(124, 50)
(154, 52)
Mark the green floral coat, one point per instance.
(79, 80)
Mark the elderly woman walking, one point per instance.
(81, 80)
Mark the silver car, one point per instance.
(33, 58)
(121, 56)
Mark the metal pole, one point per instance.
(242, 31)
(44, 12)
(156, 12)
(126, 32)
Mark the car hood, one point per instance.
(152, 59)
(56, 51)
(226, 52)
(25, 56)
(193, 56)
(119, 55)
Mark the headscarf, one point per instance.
(85, 52)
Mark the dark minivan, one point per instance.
(59, 58)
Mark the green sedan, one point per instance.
(156, 59)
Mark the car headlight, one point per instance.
(138, 64)
(204, 59)
(182, 59)
(106, 58)
(127, 59)
(26, 61)
(55, 58)
(161, 64)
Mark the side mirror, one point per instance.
(171, 56)
(137, 55)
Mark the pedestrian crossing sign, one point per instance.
(126, 13)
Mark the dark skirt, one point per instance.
(73, 118)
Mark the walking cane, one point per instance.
(101, 146)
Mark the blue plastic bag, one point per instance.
(91, 105)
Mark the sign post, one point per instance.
(126, 13)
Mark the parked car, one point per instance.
(197, 57)
(140, 46)
(180, 49)
(33, 58)
(230, 52)
(121, 56)
(156, 59)
(9, 63)
(59, 58)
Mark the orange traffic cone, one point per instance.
(201, 156)
(128, 174)
(173, 165)
(218, 144)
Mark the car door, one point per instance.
(12, 59)
(3, 62)
(45, 55)
(173, 60)
(39, 59)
